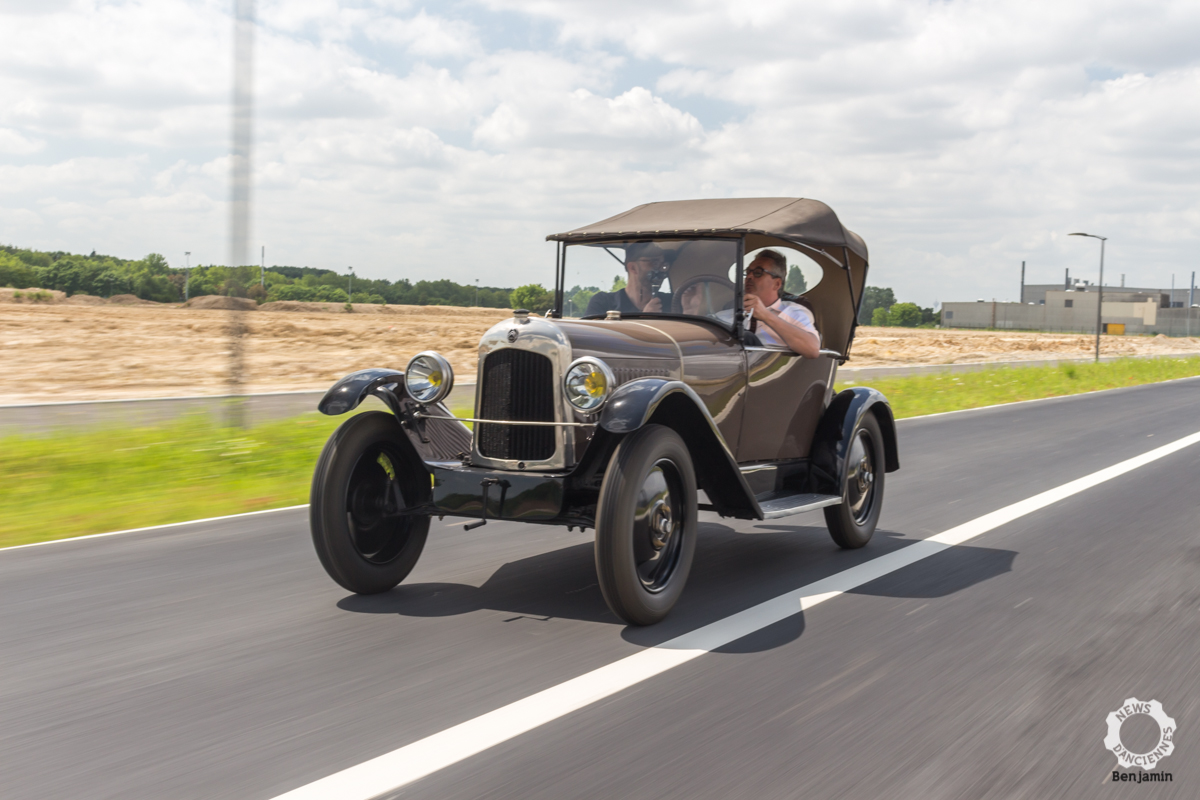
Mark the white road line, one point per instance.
(424, 757)
(152, 527)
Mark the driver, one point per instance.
(776, 321)
(638, 296)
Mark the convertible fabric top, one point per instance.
(808, 222)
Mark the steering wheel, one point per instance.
(709, 305)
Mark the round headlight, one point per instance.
(588, 383)
(428, 377)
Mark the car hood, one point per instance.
(620, 339)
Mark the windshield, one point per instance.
(692, 277)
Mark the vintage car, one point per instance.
(619, 421)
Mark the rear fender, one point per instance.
(674, 404)
(832, 438)
(433, 439)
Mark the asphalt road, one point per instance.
(217, 660)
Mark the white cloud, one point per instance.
(414, 141)
(13, 143)
(426, 36)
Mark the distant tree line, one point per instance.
(879, 307)
(152, 278)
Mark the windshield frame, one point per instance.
(735, 328)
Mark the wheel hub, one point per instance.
(860, 476)
(661, 524)
(865, 476)
(373, 498)
(656, 523)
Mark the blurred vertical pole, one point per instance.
(1021, 299)
(1191, 302)
(239, 187)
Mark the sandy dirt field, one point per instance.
(93, 351)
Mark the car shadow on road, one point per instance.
(733, 570)
(558, 584)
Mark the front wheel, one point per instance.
(366, 478)
(646, 525)
(852, 522)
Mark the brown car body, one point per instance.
(765, 435)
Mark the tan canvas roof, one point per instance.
(809, 222)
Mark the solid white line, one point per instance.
(424, 757)
(153, 527)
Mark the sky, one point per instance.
(429, 141)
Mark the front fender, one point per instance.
(348, 393)
(837, 425)
(434, 439)
(677, 406)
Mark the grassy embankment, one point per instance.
(90, 482)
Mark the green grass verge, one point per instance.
(945, 391)
(77, 483)
(86, 482)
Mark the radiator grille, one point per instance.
(517, 385)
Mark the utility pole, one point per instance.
(262, 271)
(477, 292)
(187, 273)
(241, 152)
(350, 286)
(1021, 298)
(1099, 286)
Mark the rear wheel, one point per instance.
(852, 522)
(646, 525)
(366, 478)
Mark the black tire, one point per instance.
(646, 525)
(353, 491)
(852, 522)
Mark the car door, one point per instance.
(714, 368)
(785, 397)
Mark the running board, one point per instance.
(789, 504)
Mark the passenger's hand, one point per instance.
(654, 306)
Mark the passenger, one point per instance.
(641, 262)
(692, 300)
(774, 320)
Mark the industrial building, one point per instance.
(1071, 308)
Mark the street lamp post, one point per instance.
(1099, 286)
(1191, 302)
(187, 273)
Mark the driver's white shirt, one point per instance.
(794, 313)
